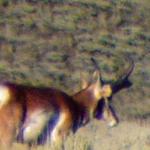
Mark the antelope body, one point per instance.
(24, 108)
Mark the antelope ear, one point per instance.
(96, 78)
(106, 91)
(95, 86)
(84, 83)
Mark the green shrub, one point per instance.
(4, 2)
(108, 41)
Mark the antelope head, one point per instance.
(108, 89)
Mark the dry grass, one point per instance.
(96, 135)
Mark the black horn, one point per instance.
(122, 79)
(97, 68)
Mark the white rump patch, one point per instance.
(4, 95)
(34, 126)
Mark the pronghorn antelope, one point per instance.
(38, 114)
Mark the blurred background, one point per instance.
(51, 42)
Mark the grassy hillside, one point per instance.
(49, 42)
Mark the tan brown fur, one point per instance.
(25, 99)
